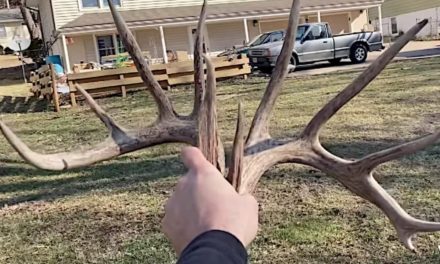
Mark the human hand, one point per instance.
(205, 201)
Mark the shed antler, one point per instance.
(250, 158)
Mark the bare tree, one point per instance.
(253, 156)
(31, 23)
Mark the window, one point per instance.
(301, 32)
(90, 3)
(317, 32)
(121, 47)
(107, 47)
(277, 37)
(98, 3)
(394, 26)
(116, 2)
(3, 33)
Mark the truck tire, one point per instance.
(293, 63)
(266, 70)
(358, 53)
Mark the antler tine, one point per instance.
(61, 161)
(165, 107)
(259, 129)
(111, 125)
(406, 226)
(328, 111)
(236, 164)
(209, 140)
(372, 161)
(199, 71)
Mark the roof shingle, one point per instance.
(163, 16)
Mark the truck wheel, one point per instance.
(358, 53)
(335, 61)
(266, 70)
(293, 63)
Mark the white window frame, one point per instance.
(100, 6)
(115, 44)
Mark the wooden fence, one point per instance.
(44, 83)
(120, 81)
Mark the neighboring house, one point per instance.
(400, 15)
(11, 26)
(86, 31)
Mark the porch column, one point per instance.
(66, 54)
(319, 16)
(190, 40)
(164, 45)
(95, 44)
(379, 12)
(246, 29)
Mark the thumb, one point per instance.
(193, 159)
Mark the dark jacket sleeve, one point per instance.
(214, 247)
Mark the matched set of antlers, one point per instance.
(255, 153)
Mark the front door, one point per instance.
(317, 45)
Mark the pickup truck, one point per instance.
(314, 43)
(265, 38)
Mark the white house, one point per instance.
(85, 31)
(400, 15)
(11, 26)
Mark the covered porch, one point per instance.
(90, 38)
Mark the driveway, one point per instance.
(414, 50)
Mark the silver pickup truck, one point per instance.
(315, 42)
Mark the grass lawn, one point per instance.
(111, 212)
(14, 88)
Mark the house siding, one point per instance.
(68, 10)
(406, 21)
(176, 38)
(149, 40)
(339, 23)
(224, 36)
(81, 50)
(359, 21)
(392, 8)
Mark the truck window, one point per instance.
(277, 37)
(301, 31)
(317, 32)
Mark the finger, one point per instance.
(193, 159)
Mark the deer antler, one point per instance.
(250, 159)
(169, 127)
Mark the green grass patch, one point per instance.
(312, 231)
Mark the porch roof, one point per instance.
(91, 22)
(10, 15)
